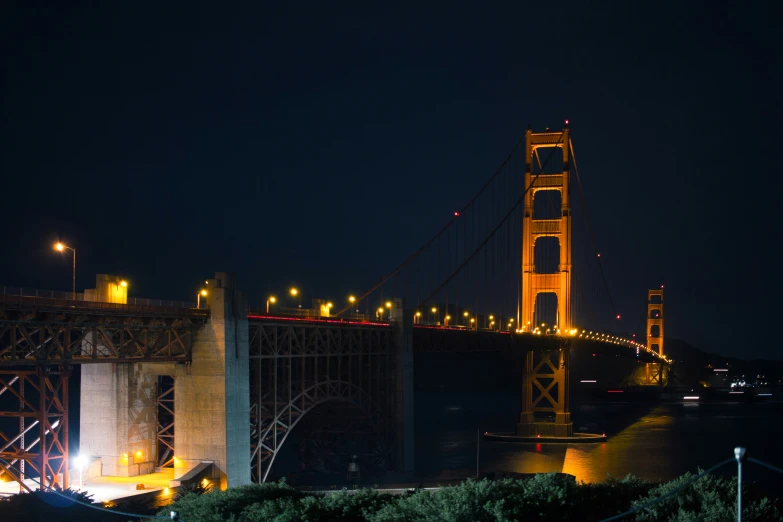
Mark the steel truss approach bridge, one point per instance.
(516, 269)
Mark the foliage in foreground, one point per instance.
(543, 497)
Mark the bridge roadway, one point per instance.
(294, 364)
(39, 330)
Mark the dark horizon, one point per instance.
(320, 146)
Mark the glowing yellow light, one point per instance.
(124, 284)
(472, 320)
(204, 293)
(543, 325)
(272, 299)
(434, 310)
(388, 304)
(491, 317)
(448, 317)
(329, 305)
(125, 455)
(418, 314)
(138, 454)
(59, 247)
(351, 299)
(204, 482)
(511, 320)
(380, 310)
(165, 491)
(294, 292)
(466, 314)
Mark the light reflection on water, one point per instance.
(655, 442)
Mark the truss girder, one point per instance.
(296, 368)
(75, 337)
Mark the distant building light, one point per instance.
(691, 397)
(721, 369)
(588, 381)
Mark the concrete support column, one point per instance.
(404, 431)
(118, 418)
(212, 395)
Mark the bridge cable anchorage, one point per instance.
(590, 230)
(440, 232)
(520, 200)
(9, 467)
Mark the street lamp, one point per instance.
(418, 317)
(272, 299)
(352, 300)
(124, 284)
(446, 320)
(435, 311)
(62, 247)
(81, 461)
(491, 320)
(465, 314)
(379, 314)
(294, 292)
(202, 293)
(472, 320)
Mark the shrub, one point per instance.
(710, 499)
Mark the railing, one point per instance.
(79, 296)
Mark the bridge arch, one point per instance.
(276, 430)
(296, 367)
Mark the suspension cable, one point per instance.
(440, 232)
(590, 228)
(494, 231)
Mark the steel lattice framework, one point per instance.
(298, 365)
(39, 400)
(35, 332)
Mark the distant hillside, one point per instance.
(691, 364)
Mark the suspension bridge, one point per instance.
(218, 387)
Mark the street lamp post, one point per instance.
(61, 247)
(202, 293)
(272, 299)
(81, 460)
(465, 314)
(294, 293)
(437, 315)
(417, 317)
(352, 300)
(446, 320)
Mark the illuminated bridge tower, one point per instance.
(534, 282)
(655, 334)
(545, 396)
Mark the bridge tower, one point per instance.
(655, 334)
(534, 282)
(545, 383)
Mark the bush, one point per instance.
(709, 499)
(541, 498)
(227, 506)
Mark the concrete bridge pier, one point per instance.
(212, 393)
(118, 421)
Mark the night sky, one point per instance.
(318, 145)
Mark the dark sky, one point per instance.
(320, 145)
